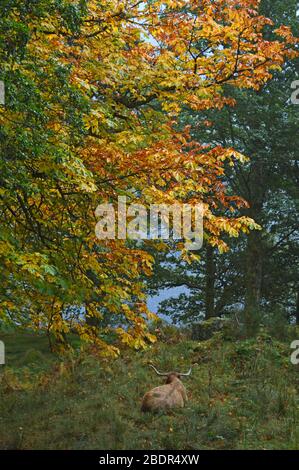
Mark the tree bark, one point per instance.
(254, 250)
(210, 283)
(254, 270)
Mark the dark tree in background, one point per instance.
(260, 273)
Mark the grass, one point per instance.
(242, 395)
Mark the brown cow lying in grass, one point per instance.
(171, 395)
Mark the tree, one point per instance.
(262, 125)
(93, 90)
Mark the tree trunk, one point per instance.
(253, 275)
(254, 249)
(210, 283)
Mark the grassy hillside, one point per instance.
(242, 395)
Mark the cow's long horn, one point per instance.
(157, 372)
(187, 373)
